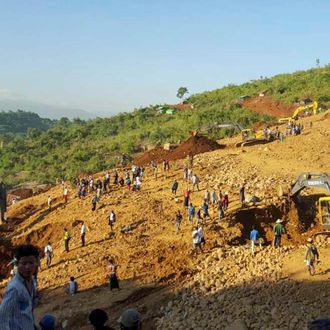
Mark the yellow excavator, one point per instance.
(251, 137)
(312, 106)
(315, 180)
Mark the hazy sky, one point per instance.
(111, 56)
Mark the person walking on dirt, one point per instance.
(185, 172)
(83, 233)
(191, 212)
(254, 237)
(49, 203)
(213, 198)
(207, 196)
(278, 230)
(220, 197)
(113, 280)
(72, 287)
(186, 196)
(128, 183)
(205, 209)
(195, 181)
(196, 239)
(311, 254)
(94, 202)
(65, 194)
(49, 254)
(67, 238)
(175, 186)
(221, 212)
(178, 219)
(115, 178)
(155, 170)
(198, 216)
(112, 219)
(225, 201)
(242, 195)
(201, 235)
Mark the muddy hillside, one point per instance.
(172, 285)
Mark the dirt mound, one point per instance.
(157, 154)
(194, 145)
(267, 106)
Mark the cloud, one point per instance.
(6, 93)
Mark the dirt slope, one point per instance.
(268, 106)
(155, 262)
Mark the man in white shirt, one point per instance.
(196, 239)
(83, 233)
(195, 181)
(72, 287)
(112, 219)
(49, 254)
(201, 234)
(65, 194)
(49, 202)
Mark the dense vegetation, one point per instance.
(20, 121)
(71, 147)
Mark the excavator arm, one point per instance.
(313, 106)
(313, 180)
(216, 126)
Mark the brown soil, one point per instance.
(267, 106)
(153, 259)
(194, 145)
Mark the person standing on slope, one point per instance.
(178, 219)
(242, 195)
(278, 230)
(186, 196)
(48, 254)
(114, 284)
(65, 194)
(112, 219)
(175, 186)
(67, 238)
(311, 254)
(83, 233)
(254, 237)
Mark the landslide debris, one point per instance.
(194, 145)
(154, 254)
(234, 287)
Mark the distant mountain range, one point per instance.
(44, 110)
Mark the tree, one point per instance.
(181, 92)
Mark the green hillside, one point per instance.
(71, 147)
(20, 121)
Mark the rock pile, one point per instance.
(231, 285)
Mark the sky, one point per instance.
(107, 56)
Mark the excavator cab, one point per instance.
(248, 134)
(324, 211)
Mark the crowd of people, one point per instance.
(16, 309)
